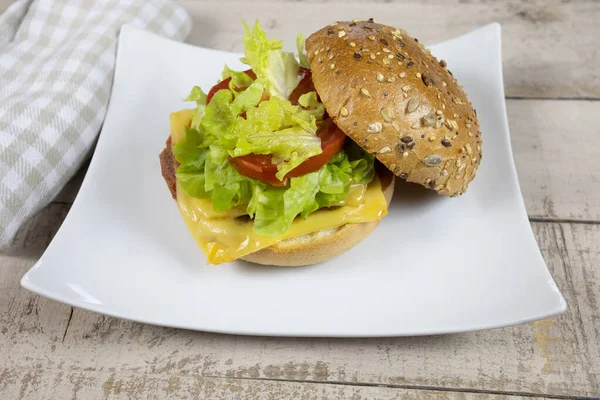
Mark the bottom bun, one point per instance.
(311, 248)
(322, 245)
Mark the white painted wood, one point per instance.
(550, 48)
(43, 384)
(559, 356)
(556, 145)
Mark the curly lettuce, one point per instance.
(254, 116)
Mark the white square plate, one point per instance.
(434, 265)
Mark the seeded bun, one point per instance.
(397, 101)
(307, 249)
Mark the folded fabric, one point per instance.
(57, 60)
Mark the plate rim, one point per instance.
(560, 307)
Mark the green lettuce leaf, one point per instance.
(197, 95)
(278, 69)
(277, 127)
(239, 80)
(301, 54)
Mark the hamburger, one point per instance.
(293, 161)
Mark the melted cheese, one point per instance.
(224, 238)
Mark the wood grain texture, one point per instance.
(559, 356)
(549, 47)
(43, 384)
(554, 145)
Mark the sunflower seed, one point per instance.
(430, 119)
(412, 105)
(387, 114)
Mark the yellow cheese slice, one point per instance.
(223, 238)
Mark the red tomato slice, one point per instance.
(259, 166)
(304, 86)
(225, 84)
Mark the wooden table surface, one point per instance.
(552, 80)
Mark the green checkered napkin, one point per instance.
(56, 67)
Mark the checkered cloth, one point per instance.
(56, 68)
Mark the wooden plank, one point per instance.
(555, 153)
(41, 384)
(555, 145)
(548, 46)
(559, 356)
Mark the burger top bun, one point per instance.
(397, 101)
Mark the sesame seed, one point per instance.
(372, 56)
(468, 125)
(418, 75)
(469, 149)
(444, 84)
(405, 154)
(332, 66)
(385, 150)
(380, 77)
(470, 134)
(330, 56)
(402, 74)
(443, 63)
(439, 112)
(391, 56)
(375, 127)
(341, 27)
(383, 41)
(341, 33)
(349, 29)
(371, 37)
(391, 79)
(446, 143)
(365, 92)
(386, 61)
(329, 31)
(316, 52)
(344, 112)
(405, 88)
(431, 138)
(386, 50)
(357, 56)
(443, 106)
(334, 24)
(355, 20)
(406, 139)
(352, 44)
